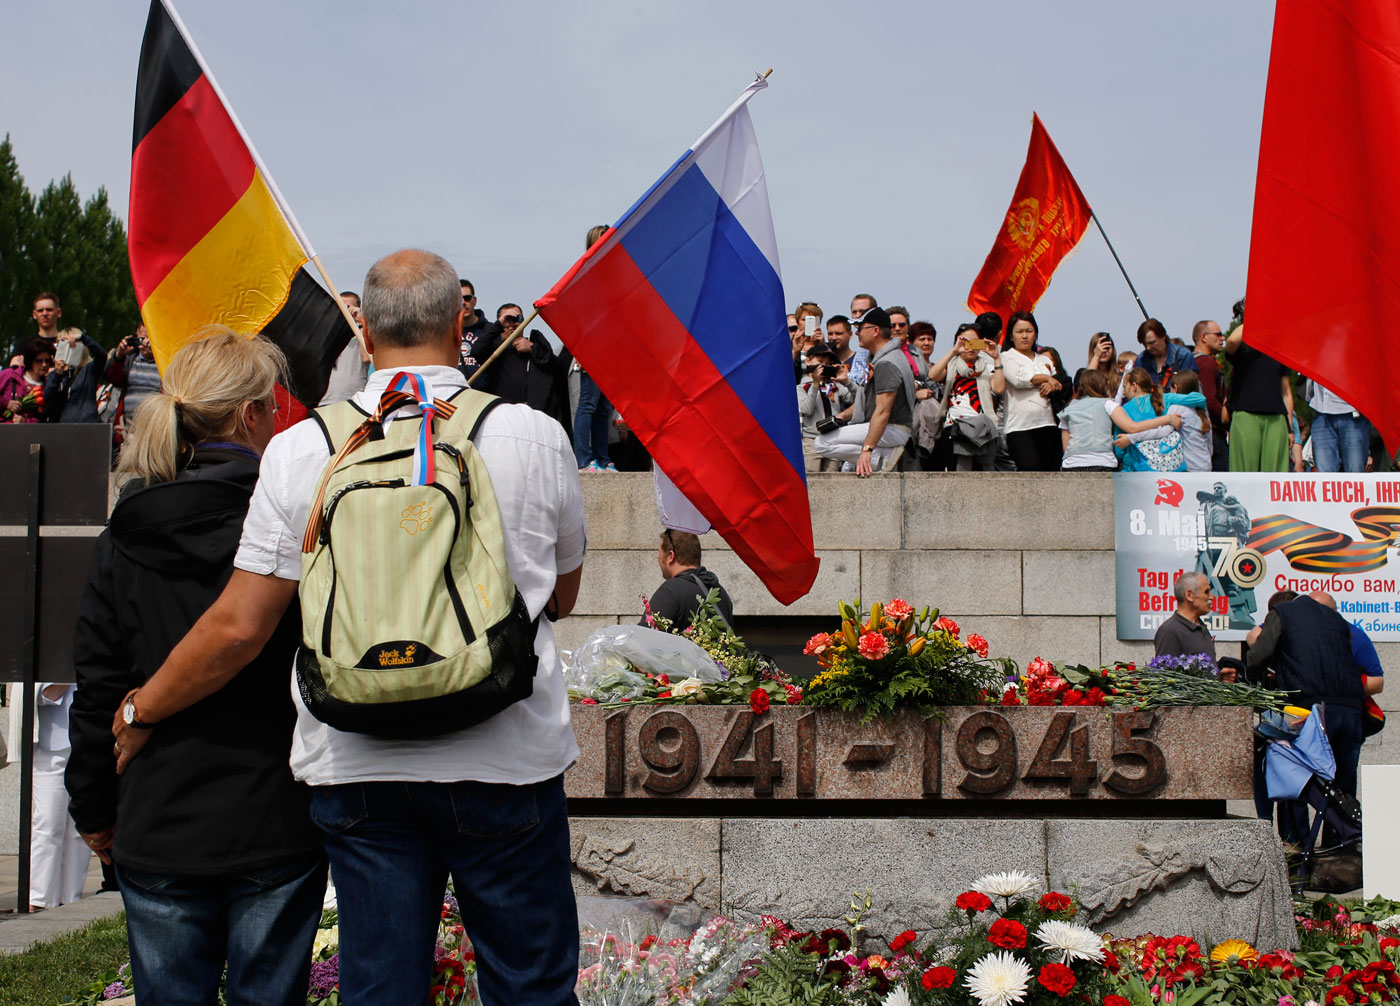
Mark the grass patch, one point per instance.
(61, 970)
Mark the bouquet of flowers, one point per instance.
(1043, 685)
(1013, 947)
(1167, 681)
(732, 673)
(637, 952)
(892, 656)
(31, 404)
(1196, 665)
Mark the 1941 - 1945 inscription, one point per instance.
(660, 752)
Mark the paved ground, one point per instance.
(19, 932)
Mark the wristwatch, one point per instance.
(863, 450)
(129, 713)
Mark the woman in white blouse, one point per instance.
(1032, 436)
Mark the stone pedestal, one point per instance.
(791, 812)
(1208, 879)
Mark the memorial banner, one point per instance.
(1254, 533)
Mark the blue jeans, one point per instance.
(263, 921)
(1341, 443)
(591, 423)
(392, 846)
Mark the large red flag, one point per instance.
(1047, 219)
(1324, 255)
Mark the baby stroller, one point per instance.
(1299, 773)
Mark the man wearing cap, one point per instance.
(824, 392)
(882, 417)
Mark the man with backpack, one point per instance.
(426, 533)
(687, 583)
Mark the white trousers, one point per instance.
(844, 444)
(58, 857)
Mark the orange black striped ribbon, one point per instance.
(1314, 549)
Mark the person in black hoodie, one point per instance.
(687, 583)
(529, 372)
(215, 851)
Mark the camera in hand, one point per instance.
(829, 424)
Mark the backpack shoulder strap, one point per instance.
(337, 423)
(470, 408)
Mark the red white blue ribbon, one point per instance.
(418, 386)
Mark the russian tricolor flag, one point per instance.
(677, 313)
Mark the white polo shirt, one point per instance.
(536, 481)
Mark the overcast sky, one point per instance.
(892, 133)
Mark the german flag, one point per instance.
(209, 237)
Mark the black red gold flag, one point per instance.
(210, 238)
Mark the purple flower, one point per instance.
(113, 991)
(449, 901)
(325, 977)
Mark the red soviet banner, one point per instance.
(1324, 255)
(1047, 219)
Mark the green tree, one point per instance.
(60, 243)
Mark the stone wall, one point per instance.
(1024, 559)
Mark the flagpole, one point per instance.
(277, 196)
(1120, 266)
(505, 344)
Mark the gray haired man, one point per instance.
(1183, 633)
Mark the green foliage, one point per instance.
(788, 977)
(63, 970)
(59, 243)
(890, 657)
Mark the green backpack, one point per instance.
(411, 623)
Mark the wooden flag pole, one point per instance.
(344, 307)
(505, 344)
(1114, 252)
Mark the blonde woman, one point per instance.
(215, 851)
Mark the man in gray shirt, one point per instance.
(1183, 633)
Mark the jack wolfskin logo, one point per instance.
(391, 658)
(417, 517)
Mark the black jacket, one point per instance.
(538, 379)
(1309, 646)
(212, 791)
(680, 597)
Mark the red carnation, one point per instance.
(1007, 934)
(899, 609)
(938, 978)
(1334, 972)
(948, 625)
(794, 694)
(1095, 697)
(973, 901)
(588, 702)
(1073, 697)
(1110, 961)
(1387, 943)
(903, 940)
(978, 644)
(1116, 1001)
(663, 695)
(1057, 978)
(1055, 902)
(1011, 697)
(758, 701)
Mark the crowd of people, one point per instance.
(874, 394)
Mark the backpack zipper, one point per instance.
(326, 541)
(462, 475)
(335, 501)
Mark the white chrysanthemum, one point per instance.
(1010, 884)
(999, 979)
(1075, 942)
(1389, 922)
(898, 997)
